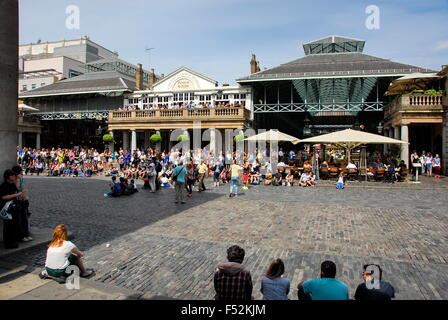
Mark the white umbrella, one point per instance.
(413, 81)
(273, 135)
(24, 107)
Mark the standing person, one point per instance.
(324, 288)
(429, 161)
(62, 253)
(436, 164)
(152, 176)
(202, 170)
(273, 285)
(423, 160)
(11, 228)
(235, 171)
(232, 281)
(189, 179)
(217, 168)
(384, 292)
(179, 174)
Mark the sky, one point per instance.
(217, 37)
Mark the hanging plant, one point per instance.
(108, 138)
(182, 138)
(155, 138)
(239, 137)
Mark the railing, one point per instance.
(416, 103)
(180, 114)
(332, 73)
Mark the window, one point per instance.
(242, 96)
(222, 97)
(42, 84)
(236, 96)
(24, 87)
(33, 86)
(182, 97)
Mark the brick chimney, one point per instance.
(152, 78)
(253, 64)
(139, 77)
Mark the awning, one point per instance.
(273, 135)
(413, 81)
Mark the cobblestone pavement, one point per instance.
(147, 243)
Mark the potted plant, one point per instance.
(108, 138)
(155, 138)
(238, 137)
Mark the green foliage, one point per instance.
(108, 138)
(239, 137)
(155, 138)
(182, 138)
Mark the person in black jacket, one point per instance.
(373, 288)
(11, 228)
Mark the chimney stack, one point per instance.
(152, 79)
(254, 65)
(139, 77)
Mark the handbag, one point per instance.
(4, 213)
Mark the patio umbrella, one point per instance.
(273, 135)
(350, 139)
(24, 107)
(413, 81)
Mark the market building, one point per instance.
(333, 87)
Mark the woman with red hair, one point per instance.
(62, 253)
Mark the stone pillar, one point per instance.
(133, 140)
(386, 146)
(405, 147)
(38, 141)
(213, 141)
(397, 133)
(159, 144)
(125, 140)
(20, 139)
(112, 143)
(9, 46)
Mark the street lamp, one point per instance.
(380, 127)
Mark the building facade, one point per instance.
(334, 86)
(182, 100)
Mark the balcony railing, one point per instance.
(179, 115)
(416, 103)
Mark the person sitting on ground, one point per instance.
(268, 178)
(373, 288)
(165, 181)
(277, 178)
(289, 179)
(324, 288)
(231, 280)
(310, 181)
(303, 179)
(274, 286)
(62, 253)
(341, 182)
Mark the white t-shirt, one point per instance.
(57, 257)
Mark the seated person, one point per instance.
(310, 181)
(303, 179)
(400, 173)
(165, 181)
(289, 179)
(324, 288)
(277, 179)
(371, 291)
(268, 178)
(62, 253)
(133, 187)
(351, 166)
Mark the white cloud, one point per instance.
(441, 45)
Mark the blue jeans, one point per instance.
(234, 183)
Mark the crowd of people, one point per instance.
(183, 105)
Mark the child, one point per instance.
(340, 184)
(165, 181)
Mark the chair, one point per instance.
(334, 172)
(324, 174)
(352, 174)
(380, 174)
